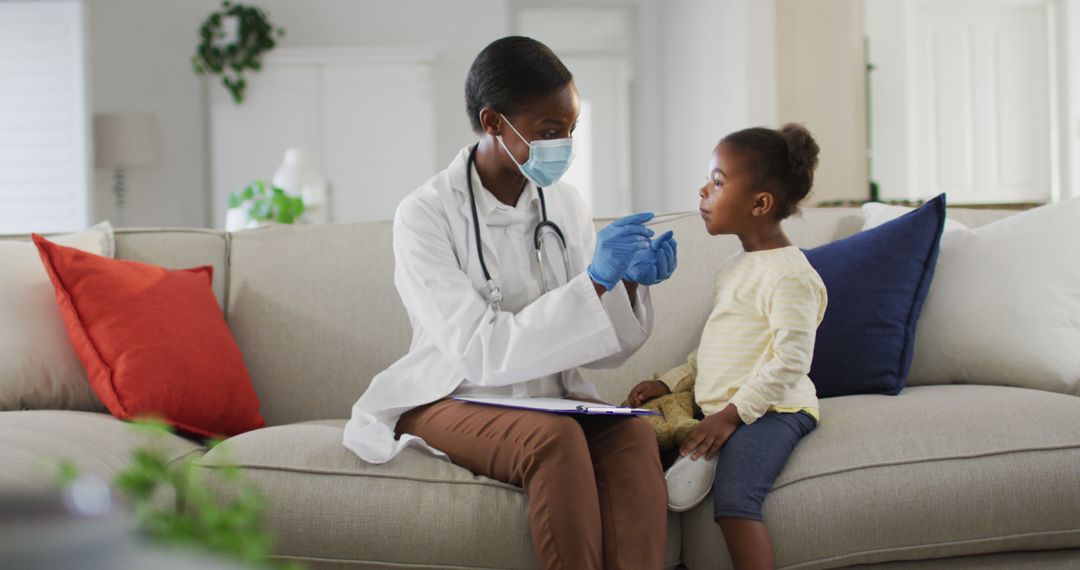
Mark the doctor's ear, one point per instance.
(490, 121)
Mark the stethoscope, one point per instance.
(542, 231)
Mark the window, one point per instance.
(580, 173)
(44, 170)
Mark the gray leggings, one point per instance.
(751, 460)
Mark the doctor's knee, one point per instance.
(559, 437)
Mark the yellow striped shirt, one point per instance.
(758, 341)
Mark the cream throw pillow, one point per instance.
(876, 213)
(38, 367)
(1004, 306)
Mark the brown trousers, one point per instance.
(597, 497)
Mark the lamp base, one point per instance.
(119, 192)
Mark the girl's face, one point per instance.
(727, 199)
(551, 117)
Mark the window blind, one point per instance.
(44, 166)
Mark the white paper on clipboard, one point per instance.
(560, 406)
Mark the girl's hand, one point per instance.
(647, 390)
(711, 434)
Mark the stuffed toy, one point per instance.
(677, 414)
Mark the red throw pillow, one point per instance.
(153, 341)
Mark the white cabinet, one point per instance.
(962, 99)
(365, 117)
(984, 103)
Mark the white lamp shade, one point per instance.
(126, 139)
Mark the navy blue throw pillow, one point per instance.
(876, 281)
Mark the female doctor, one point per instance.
(509, 290)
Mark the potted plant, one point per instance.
(174, 506)
(231, 41)
(262, 204)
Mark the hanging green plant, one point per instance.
(233, 40)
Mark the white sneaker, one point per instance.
(689, 482)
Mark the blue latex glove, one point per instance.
(656, 264)
(616, 245)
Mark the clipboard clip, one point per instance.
(612, 410)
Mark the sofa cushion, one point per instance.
(328, 296)
(153, 341)
(325, 504)
(877, 281)
(38, 368)
(33, 443)
(1004, 308)
(934, 472)
(177, 249)
(1043, 560)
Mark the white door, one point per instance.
(981, 108)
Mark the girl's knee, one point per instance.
(731, 500)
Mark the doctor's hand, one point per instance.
(616, 246)
(656, 264)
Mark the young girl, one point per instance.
(749, 372)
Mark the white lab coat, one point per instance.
(456, 333)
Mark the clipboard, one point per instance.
(559, 406)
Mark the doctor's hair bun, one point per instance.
(782, 162)
(510, 73)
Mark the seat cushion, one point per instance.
(937, 471)
(33, 443)
(417, 511)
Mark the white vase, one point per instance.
(237, 219)
(297, 176)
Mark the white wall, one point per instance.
(716, 68)
(457, 30)
(1068, 30)
(703, 68)
(822, 74)
(140, 54)
(139, 60)
(886, 27)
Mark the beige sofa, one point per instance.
(940, 476)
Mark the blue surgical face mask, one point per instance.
(548, 159)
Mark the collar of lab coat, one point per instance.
(484, 205)
(456, 175)
(487, 203)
